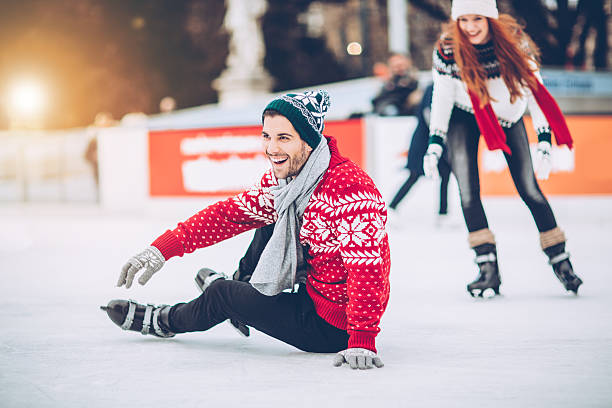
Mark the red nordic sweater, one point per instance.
(344, 227)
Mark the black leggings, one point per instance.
(288, 317)
(462, 143)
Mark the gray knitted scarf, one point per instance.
(283, 255)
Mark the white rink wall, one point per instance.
(123, 164)
(46, 166)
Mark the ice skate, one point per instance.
(488, 281)
(565, 272)
(149, 319)
(206, 276)
(203, 279)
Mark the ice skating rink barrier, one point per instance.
(47, 166)
(140, 168)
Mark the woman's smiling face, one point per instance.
(475, 27)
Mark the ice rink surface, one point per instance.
(534, 346)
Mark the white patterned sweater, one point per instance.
(343, 228)
(450, 91)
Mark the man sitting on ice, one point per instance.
(328, 239)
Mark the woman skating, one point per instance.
(485, 77)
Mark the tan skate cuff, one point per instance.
(551, 237)
(482, 236)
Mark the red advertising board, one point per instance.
(583, 170)
(220, 162)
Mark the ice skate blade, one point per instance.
(575, 286)
(474, 292)
(488, 293)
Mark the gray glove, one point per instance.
(358, 358)
(151, 260)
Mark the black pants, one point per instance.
(444, 171)
(462, 143)
(288, 317)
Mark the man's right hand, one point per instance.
(430, 161)
(150, 260)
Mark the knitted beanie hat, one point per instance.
(487, 8)
(306, 112)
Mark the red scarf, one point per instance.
(496, 138)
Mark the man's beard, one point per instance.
(296, 163)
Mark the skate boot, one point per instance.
(149, 319)
(203, 279)
(488, 281)
(565, 272)
(562, 267)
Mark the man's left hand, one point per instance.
(358, 358)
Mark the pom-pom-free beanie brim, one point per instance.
(487, 8)
(306, 112)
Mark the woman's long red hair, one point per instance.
(513, 48)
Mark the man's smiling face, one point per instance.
(283, 146)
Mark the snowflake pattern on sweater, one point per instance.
(343, 228)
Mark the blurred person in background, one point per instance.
(328, 239)
(381, 70)
(397, 96)
(91, 157)
(486, 75)
(416, 152)
(102, 119)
